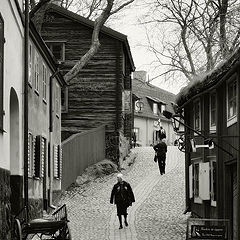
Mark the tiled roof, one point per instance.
(148, 94)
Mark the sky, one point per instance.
(128, 24)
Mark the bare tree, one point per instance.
(202, 33)
(107, 8)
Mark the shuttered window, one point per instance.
(57, 161)
(40, 156)
(1, 69)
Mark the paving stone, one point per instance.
(156, 214)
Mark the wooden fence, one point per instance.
(80, 151)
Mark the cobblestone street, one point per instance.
(156, 214)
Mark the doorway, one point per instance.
(16, 178)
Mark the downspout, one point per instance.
(51, 133)
(26, 76)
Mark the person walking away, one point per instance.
(162, 133)
(122, 195)
(134, 139)
(161, 150)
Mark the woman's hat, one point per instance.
(120, 175)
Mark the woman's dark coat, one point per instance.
(122, 194)
(161, 149)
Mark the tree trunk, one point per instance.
(223, 38)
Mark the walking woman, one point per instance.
(161, 150)
(122, 195)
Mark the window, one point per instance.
(213, 111)
(136, 131)
(44, 82)
(57, 161)
(232, 102)
(57, 49)
(64, 99)
(197, 116)
(36, 72)
(57, 99)
(163, 107)
(196, 180)
(30, 154)
(1, 70)
(124, 64)
(155, 108)
(30, 64)
(213, 184)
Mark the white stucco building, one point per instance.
(149, 103)
(11, 103)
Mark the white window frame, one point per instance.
(212, 127)
(44, 82)
(36, 72)
(30, 63)
(57, 100)
(233, 119)
(212, 159)
(163, 107)
(196, 198)
(155, 108)
(194, 116)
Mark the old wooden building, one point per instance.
(101, 93)
(211, 107)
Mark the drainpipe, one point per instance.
(25, 151)
(51, 135)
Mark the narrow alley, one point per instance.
(156, 214)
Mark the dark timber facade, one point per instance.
(211, 106)
(101, 92)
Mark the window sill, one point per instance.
(212, 129)
(213, 203)
(30, 84)
(57, 115)
(37, 92)
(2, 130)
(198, 130)
(198, 200)
(45, 101)
(231, 121)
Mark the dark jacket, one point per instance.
(122, 193)
(161, 149)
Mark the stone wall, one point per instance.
(5, 206)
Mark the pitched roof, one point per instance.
(89, 23)
(207, 80)
(149, 93)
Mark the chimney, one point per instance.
(57, 2)
(140, 75)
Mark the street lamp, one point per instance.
(139, 105)
(176, 122)
(174, 118)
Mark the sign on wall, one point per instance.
(208, 232)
